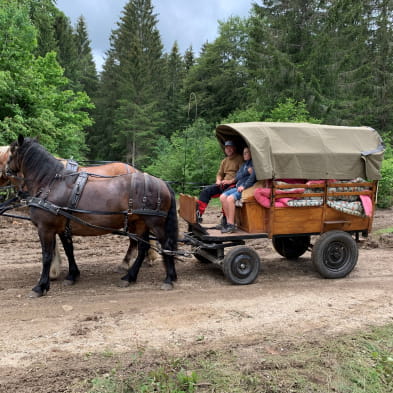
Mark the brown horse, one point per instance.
(110, 169)
(135, 204)
(4, 153)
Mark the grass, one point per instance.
(358, 363)
(383, 230)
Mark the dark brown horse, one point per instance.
(110, 169)
(135, 203)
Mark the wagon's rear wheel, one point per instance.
(241, 265)
(335, 254)
(291, 247)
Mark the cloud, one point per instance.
(188, 23)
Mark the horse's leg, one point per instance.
(73, 271)
(130, 254)
(48, 241)
(133, 271)
(169, 260)
(55, 265)
(153, 255)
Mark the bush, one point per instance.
(385, 188)
(191, 158)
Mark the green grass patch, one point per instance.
(383, 231)
(357, 363)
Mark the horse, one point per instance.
(110, 169)
(4, 153)
(136, 202)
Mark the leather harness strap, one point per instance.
(141, 203)
(72, 165)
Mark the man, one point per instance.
(225, 178)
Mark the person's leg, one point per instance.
(230, 210)
(205, 196)
(223, 200)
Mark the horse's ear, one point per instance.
(20, 139)
(37, 138)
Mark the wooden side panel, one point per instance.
(251, 217)
(296, 220)
(335, 219)
(187, 208)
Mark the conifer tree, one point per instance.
(219, 77)
(135, 70)
(281, 40)
(86, 73)
(174, 104)
(42, 15)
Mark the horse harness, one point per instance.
(141, 190)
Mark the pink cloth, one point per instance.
(262, 196)
(367, 205)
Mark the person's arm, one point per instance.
(251, 179)
(220, 173)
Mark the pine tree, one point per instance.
(42, 15)
(382, 65)
(219, 77)
(135, 71)
(86, 73)
(174, 103)
(281, 40)
(66, 48)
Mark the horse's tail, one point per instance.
(171, 223)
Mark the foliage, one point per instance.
(133, 70)
(354, 363)
(219, 77)
(385, 186)
(190, 158)
(160, 380)
(291, 111)
(244, 115)
(33, 98)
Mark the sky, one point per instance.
(189, 22)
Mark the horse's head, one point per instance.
(4, 154)
(14, 163)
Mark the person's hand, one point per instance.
(226, 182)
(240, 189)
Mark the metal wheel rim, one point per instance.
(336, 255)
(242, 266)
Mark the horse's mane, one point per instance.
(42, 166)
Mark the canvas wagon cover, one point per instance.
(308, 151)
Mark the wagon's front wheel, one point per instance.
(241, 265)
(335, 254)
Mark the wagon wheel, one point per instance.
(335, 254)
(291, 247)
(241, 265)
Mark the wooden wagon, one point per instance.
(319, 184)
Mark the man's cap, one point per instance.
(229, 143)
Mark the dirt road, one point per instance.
(55, 339)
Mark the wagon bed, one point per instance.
(332, 157)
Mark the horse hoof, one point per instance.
(120, 269)
(123, 284)
(68, 282)
(166, 286)
(34, 294)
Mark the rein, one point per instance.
(64, 211)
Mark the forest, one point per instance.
(302, 60)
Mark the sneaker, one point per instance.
(230, 228)
(222, 224)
